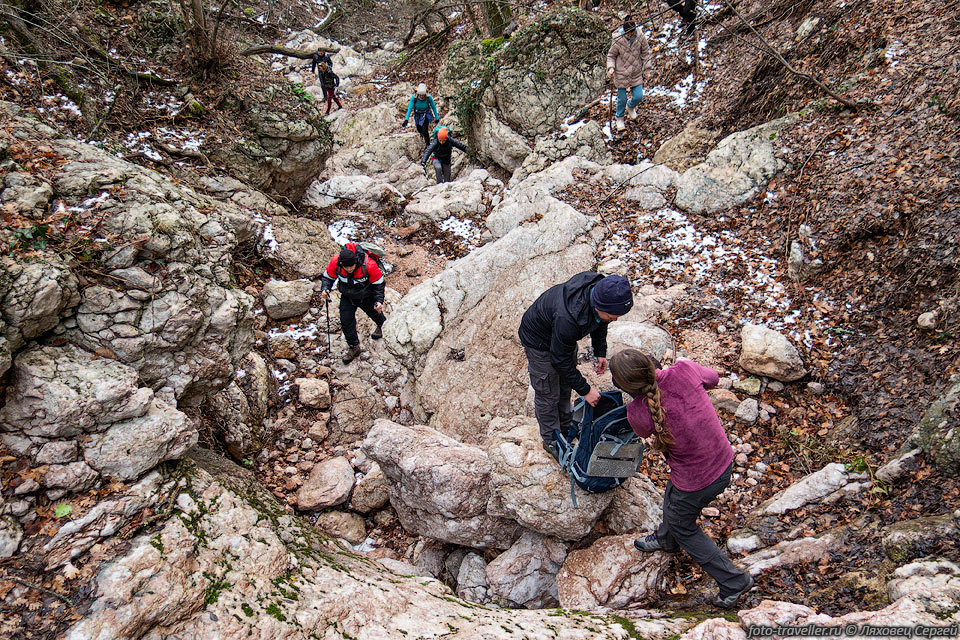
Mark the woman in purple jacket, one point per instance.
(672, 405)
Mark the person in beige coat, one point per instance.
(628, 63)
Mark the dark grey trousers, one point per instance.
(551, 397)
(442, 171)
(679, 530)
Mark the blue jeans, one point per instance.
(636, 95)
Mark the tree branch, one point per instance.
(282, 51)
(850, 104)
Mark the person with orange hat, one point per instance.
(441, 148)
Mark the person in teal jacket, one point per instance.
(424, 111)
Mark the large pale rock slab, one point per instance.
(475, 305)
(329, 484)
(297, 247)
(768, 353)
(377, 155)
(439, 487)
(235, 532)
(636, 506)
(355, 406)
(735, 171)
(366, 124)
(530, 486)
(611, 573)
(35, 296)
(525, 575)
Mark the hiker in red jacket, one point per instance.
(672, 405)
(362, 286)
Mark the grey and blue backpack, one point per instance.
(600, 450)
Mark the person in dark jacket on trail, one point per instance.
(442, 150)
(562, 315)
(317, 59)
(672, 405)
(362, 286)
(424, 111)
(688, 13)
(329, 81)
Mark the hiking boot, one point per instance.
(650, 543)
(551, 447)
(620, 125)
(378, 333)
(727, 602)
(632, 112)
(351, 354)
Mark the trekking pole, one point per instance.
(610, 108)
(329, 345)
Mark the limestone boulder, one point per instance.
(329, 484)
(790, 552)
(281, 151)
(472, 579)
(297, 247)
(687, 148)
(531, 488)
(499, 142)
(475, 305)
(768, 353)
(439, 487)
(525, 575)
(287, 299)
(735, 171)
(545, 72)
(377, 155)
(239, 410)
(368, 124)
(371, 491)
(645, 336)
(314, 393)
(356, 404)
(911, 539)
(11, 533)
(460, 197)
(938, 434)
(34, 296)
(342, 524)
(934, 584)
(724, 399)
(587, 142)
(611, 573)
(636, 507)
(61, 394)
(361, 192)
(807, 490)
(232, 190)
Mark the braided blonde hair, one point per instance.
(636, 373)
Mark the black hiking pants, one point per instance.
(551, 396)
(348, 316)
(679, 530)
(424, 131)
(686, 8)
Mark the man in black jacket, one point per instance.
(563, 314)
(442, 150)
(362, 286)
